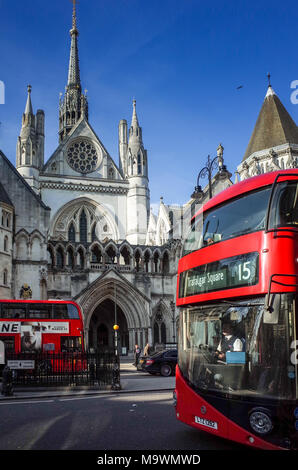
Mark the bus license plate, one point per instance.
(206, 422)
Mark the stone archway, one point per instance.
(101, 333)
(133, 309)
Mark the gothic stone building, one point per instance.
(79, 226)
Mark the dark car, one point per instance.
(162, 362)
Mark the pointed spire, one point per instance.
(74, 70)
(29, 109)
(134, 120)
(135, 131)
(274, 125)
(74, 105)
(74, 16)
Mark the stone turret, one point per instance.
(138, 198)
(30, 144)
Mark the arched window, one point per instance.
(96, 255)
(70, 258)
(83, 227)
(165, 263)
(156, 332)
(125, 256)
(50, 257)
(111, 255)
(156, 262)
(147, 261)
(81, 258)
(139, 165)
(59, 258)
(5, 277)
(137, 261)
(93, 233)
(5, 243)
(163, 333)
(71, 233)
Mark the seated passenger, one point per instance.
(229, 341)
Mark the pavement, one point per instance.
(131, 381)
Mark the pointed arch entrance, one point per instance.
(101, 333)
(133, 311)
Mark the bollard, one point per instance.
(7, 388)
(116, 376)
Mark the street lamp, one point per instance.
(216, 162)
(172, 304)
(116, 367)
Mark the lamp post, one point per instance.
(172, 304)
(116, 367)
(216, 162)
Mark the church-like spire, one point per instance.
(29, 109)
(135, 131)
(134, 121)
(137, 155)
(74, 105)
(73, 69)
(30, 144)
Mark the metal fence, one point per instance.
(62, 369)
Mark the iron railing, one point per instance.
(62, 369)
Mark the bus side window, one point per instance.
(13, 311)
(39, 311)
(60, 311)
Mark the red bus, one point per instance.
(237, 374)
(41, 326)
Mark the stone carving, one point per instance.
(25, 292)
(82, 156)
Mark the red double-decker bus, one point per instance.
(237, 285)
(42, 326)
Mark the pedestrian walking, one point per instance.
(137, 353)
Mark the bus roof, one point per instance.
(243, 187)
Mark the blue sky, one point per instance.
(181, 60)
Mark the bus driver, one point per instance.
(229, 341)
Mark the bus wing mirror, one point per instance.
(271, 309)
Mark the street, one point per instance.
(132, 421)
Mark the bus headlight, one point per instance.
(260, 421)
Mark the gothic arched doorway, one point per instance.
(101, 333)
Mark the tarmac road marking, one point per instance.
(23, 402)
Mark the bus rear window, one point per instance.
(65, 311)
(73, 312)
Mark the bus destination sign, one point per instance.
(227, 273)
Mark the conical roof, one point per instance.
(274, 126)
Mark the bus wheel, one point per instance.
(166, 370)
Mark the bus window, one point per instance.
(71, 343)
(73, 312)
(8, 342)
(60, 311)
(236, 351)
(237, 217)
(285, 205)
(13, 310)
(39, 310)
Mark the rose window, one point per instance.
(82, 156)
